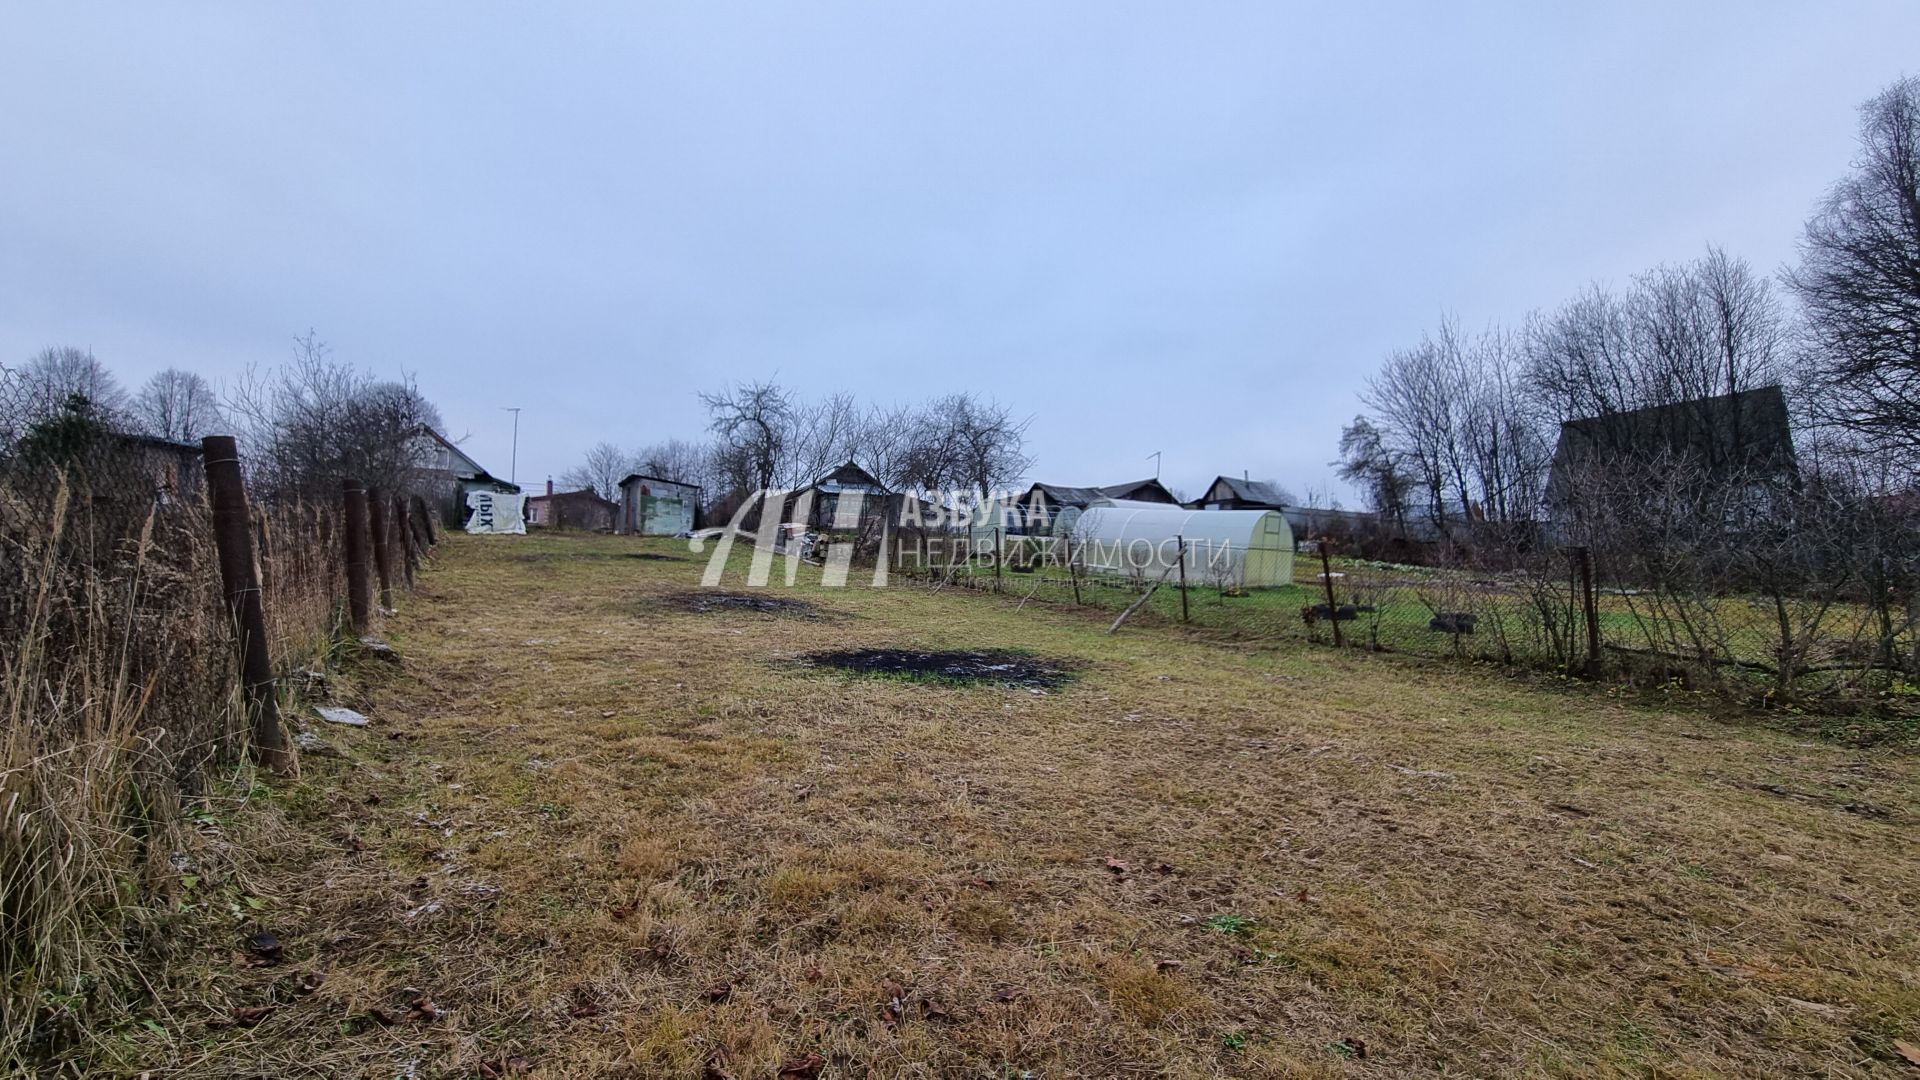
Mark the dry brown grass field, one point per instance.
(591, 832)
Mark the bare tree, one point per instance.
(1451, 433)
(675, 459)
(177, 405)
(315, 420)
(57, 373)
(754, 423)
(987, 445)
(600, 472)
(1367, 463)
(1679, 334)
(822, 434)
(1859, 280)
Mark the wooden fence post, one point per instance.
(1183, 576)
(233, 539)
(1326, 578)
(1592, 610)
(999, 556)
(354, 504)
(382, 550)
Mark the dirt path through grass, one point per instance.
(592, 831)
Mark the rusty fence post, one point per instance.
(428, 521)
(1591, 607)
(353, 499)
(403, 525)
(1183, 576)
(382, 546)
(1326, 578)
(233, 539)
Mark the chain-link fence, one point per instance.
(121, 681)
(1846, 637)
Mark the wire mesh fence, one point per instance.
(121, 691)
(1563, 609)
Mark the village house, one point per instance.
(583, 509)
(1237, 493)
(445, 475)
(1743, 438)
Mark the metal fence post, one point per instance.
(1182, 541)
(428, 521)
(1072, 574)
(999, 556)
(1591, 608)
(233, 539)
(403, 527)
(1326, 578)
(354, 504)
(382, 551)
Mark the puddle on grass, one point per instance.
(710, 601)
(990, 667)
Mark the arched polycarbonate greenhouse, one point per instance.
(1247, 548)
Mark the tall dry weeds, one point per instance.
(119, 697)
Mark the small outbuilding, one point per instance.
(1243, 548)
(653, 506)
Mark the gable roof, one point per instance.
(460, 464)
(849, 475)
(1732, 433)
(1062, 495)
(631, 477)
(1253, 491)
(1148, 490)
(582, 495)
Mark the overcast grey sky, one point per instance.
(1184, 227)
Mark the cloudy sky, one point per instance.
(1192, 228)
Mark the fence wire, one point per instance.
(1562, 609)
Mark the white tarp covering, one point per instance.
(1252, 548)
(496, 512)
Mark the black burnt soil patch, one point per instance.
(653, 556)
(992, 667)
(713, 602)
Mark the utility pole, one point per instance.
(513, 461)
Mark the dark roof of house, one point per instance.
(631, 477)
(1731, 433)
(850, 474)
(155, 442)
(1062, 495)
(1254, 491)
(1148, 490)
(585, 494)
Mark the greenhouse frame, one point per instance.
(1239, 548)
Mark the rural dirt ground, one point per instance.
(594, 830)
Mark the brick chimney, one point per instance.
(549, 485)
